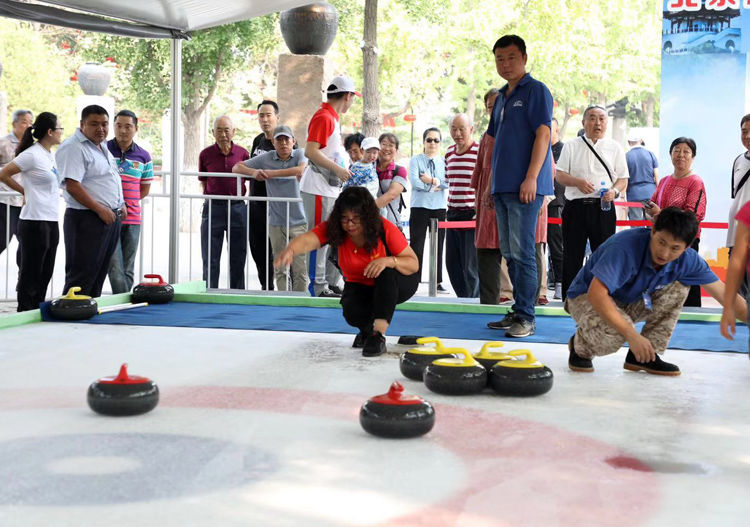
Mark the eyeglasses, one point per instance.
(353, 221)
(431, 140)
(59, 128)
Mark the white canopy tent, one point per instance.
(173, 19)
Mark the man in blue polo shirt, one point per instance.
(522, 175)
(639, 275)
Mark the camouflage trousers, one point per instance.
(595, 338)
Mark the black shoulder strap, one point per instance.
(742, 181)
(600, 159)
(700, 195)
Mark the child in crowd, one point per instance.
(363, 171)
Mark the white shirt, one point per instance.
(314, 183)
(40, 183)
(8, 145)
(579, 161)
(739, 168)
(94, 167)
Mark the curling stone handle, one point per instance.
(468, 359)
(529, 357)
(71, 295)
(494, 344)
(156, 277)
(431, 340)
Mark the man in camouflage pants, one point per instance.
(639, 275)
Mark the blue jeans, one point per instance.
(123, 259)
(516, 223)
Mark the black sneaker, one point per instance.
(336, 289)
(655, 367)
(374, 344)
(521, 328)
(576, 362)
(441, 289)
(359, 340)
(504, 323)
(328, 293)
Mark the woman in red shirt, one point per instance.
(683, 189)
(379, 267)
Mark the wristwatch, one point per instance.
(617, 192)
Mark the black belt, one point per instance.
(589, 201)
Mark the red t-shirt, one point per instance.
(322, 125)
(743, 216)
(353, 260)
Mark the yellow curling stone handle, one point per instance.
(71, 295)
(467, 361)
(485, 352)
(424, 350)
(529, 360)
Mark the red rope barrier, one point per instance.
(558, 221)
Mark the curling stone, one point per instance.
(396, 415)
(123, 395)
(456, 376)
(413, 362)
(409, 340)
(73, 306)
(521, 377)
(158, 292)
(488, 358)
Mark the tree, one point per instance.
(210, 56)
(370, 93)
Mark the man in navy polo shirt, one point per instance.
(522, 175)
(639, 275)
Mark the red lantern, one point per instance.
(574, 111)
(410, 118)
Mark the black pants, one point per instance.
(38, 245)
(8, 225)
(489, 262)
(694, 295)
(419, 225)
(555, 244)
(235, 229)
(260, 245)
(583, 220)
(362, 304)
(89, 244)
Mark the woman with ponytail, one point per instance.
(38, 232)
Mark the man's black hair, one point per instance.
(335, 96)
(271, 103)
(682, 224)
(745, 118)
(510, 40)
(353, 139)
(93, 109)
(127, 113)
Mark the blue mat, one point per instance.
(557, 330)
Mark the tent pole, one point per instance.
(176, 162)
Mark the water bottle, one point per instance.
(606, 205)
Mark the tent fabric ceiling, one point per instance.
(180, 15)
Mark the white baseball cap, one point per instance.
(369, 142)
(342, 84)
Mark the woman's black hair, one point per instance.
(44, 122)
(682, 224)
(391, 137)
(684, 141)
(430, 129)
(359, 201)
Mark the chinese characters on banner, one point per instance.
(713, 5)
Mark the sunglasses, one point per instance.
(431, 140)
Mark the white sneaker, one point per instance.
(558, 291)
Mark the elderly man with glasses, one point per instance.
(10, 206)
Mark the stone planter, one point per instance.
(310, 29)
(93, 78)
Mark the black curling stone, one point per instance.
(413, 362)
(409, 340)
(123, 395)
(158, 292)
(73, 306)
(396, 415)
(524, 378)
(456, 376)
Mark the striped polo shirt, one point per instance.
(458, 170)
(136, 168)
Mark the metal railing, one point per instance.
(152, 255)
